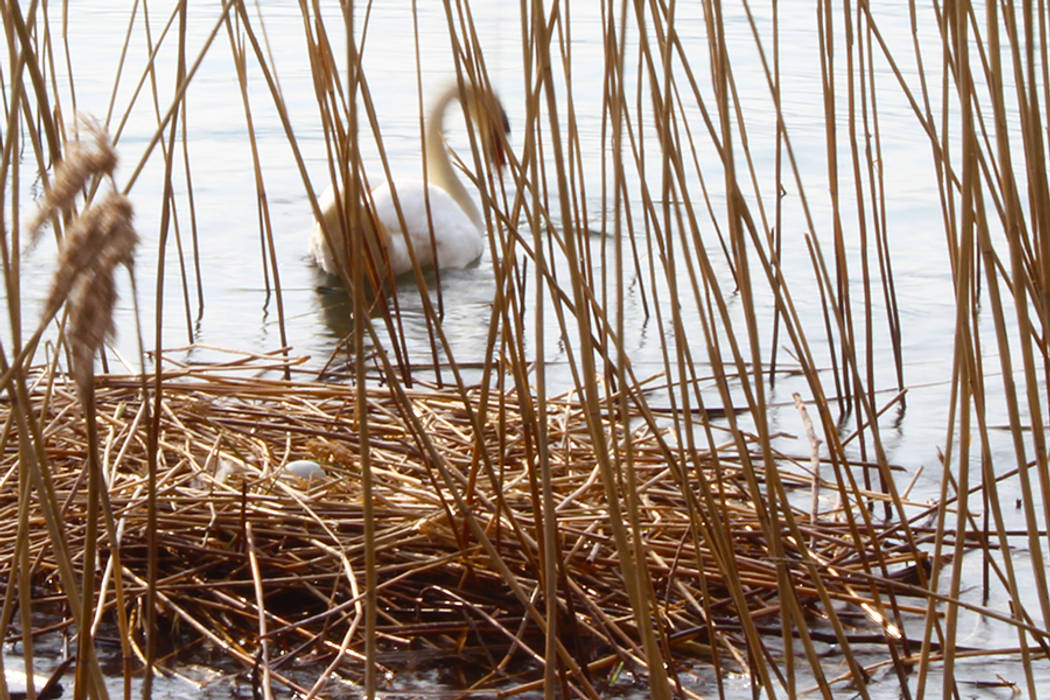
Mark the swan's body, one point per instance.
(458, 239)
(458, 230)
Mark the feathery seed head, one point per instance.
(99, 239)
(81, 162)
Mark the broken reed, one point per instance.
(993, 195)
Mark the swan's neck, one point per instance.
(439, 167)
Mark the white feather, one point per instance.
(457, 240)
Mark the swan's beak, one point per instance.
(499, 155)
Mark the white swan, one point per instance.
(459, 236)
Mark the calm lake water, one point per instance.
(237, 312)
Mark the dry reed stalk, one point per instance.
(266, 229)
(96, 241)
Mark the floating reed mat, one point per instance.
(250, 556)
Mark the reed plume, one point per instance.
(82, 161)
(98, 240)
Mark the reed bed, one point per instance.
(269, 566)
(530, 537)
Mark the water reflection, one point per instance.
(461, 303)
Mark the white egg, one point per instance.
(305, 469)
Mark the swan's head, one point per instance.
(492, 124)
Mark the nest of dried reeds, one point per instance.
(231, 524)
